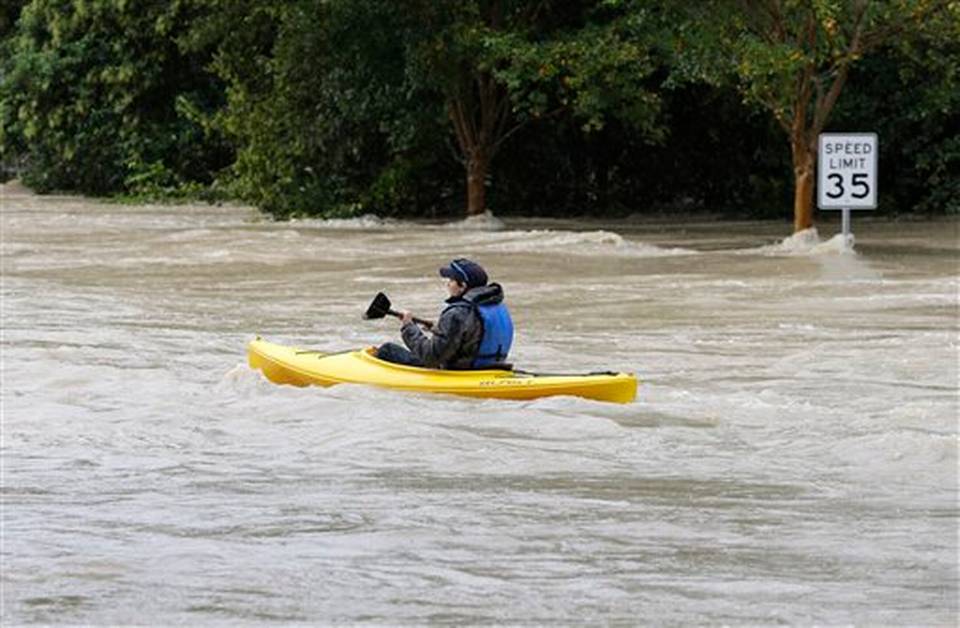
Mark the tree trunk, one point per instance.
(479, 109)
(478, 120)
(477, 166)
(804, 173)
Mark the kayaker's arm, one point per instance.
(437, 350)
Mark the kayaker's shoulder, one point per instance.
(483, 295)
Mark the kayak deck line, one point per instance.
(322, 354)
(302, 367)
(591, 373)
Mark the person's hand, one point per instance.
(405, 318)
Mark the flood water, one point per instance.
(791, 456)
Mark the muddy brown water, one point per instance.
(791, 457)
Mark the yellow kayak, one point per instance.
(303, 367)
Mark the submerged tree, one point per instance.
(500, 64)
(793, 57)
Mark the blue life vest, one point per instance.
(497, 334)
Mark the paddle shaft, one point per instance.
(418, 321)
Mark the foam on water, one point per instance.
(809, 243)
(481, 222)
(582, 243)
(366, 222)
(487, 232)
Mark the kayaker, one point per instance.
(474, 330)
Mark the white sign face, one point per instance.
(847, 171)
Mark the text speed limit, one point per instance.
(847, 167)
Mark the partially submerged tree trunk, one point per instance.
(804, 173)
(803, 137)
(804, 131)
(477, 166)
(502, 65)
(479, 110)
(811, 108)
(479, 114)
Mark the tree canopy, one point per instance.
(601, 107)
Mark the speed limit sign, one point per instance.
(847, 171)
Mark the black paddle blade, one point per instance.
(379, 308)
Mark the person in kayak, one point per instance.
(474, 330)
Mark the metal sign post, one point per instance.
(847, 174)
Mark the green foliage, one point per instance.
(319, 104)
(341, 107)
(99, 98)
(910, 95)
(785, 56)
(501, 65)
(579, 58)
(595, 73)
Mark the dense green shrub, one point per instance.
(98, 98)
